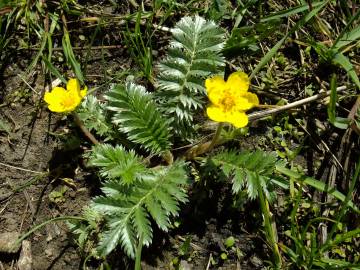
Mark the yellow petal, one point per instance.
(216, 82)
(83, 92)
(216, 95)
(238, 118)
(252, 98)
(73, 85)
(238, 82)
(73, 99)
(215, 88)
(216, 114)
(56, 107)
(55, 95)
(242, 103)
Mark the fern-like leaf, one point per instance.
(116, 163)
(157, 195)
(250, 170)
(137, 116)
(84, 230)
(120, 231)
(193, 55)
(93, 115)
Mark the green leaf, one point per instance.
(250, 170)
(331, 109)
(138, 117)
(143, 225)
(153, 205)
(321, 186)
(70, 57)
(128, 209)
(345, 63)
(54, 70)
(194, 54)
(116, 162)
(290, 11)
(120, 231)
(346, 37)
(93, 115)
(338, 122)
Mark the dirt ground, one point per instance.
(30, 158)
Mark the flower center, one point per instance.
(227, 101)
(67, 101)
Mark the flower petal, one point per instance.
(73, 85)
(214, 82)
(252, 98)
(83, 92)
(215, 88)
(56, 107)
(216, 114)
(238, 82)
(55, 95)
(238, 118)
(242, 103)
(73, 99)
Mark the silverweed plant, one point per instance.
(145, 178)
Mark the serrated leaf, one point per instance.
(193, 55)
(156, 195)
(93, 115)
(252, 170)
(138, 117)
(142, 224)
(116, 162)
(156, 211)
(120, 231)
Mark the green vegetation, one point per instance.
(297, 163)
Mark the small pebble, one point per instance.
(8, 242)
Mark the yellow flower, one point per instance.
(230, 99)
(64, 101)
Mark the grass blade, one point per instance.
(267, 57)
(346, 37)
(54, 70)
(321, 186)
(290, 11)
(70, 57)
(338, 122)
(345, 63)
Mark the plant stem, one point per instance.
(138, 254)
(216, 137)
(269, 230)
(207, 146)
(37, 227)
(84, 129)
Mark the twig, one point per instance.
(19, 168)
(6, 204)
(32, 89)
(81, 48)
(209, 262)
(262, 114)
